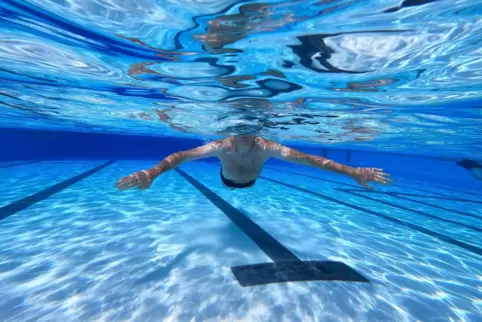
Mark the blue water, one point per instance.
(90, 252)
(92, 91)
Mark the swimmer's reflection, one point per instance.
(254, 17)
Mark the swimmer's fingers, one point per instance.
(128, 182)
(382, 179)
(366, 186)
(379, 171)
(364, 175)
(144, 180)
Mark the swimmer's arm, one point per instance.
(361, 175)
(174, 160)
(143, 179)
(291, 155)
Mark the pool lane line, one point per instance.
(413, 210)
(403, 197)
(351, 185)
(468, 247)
(463, 213)
(440, 187)
(406, 195)
(3, 166)
(286, 266)
(270, 246)
(437, 195)
(396, 195)
(354, 186)
(28, 201)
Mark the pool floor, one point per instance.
(74, 248)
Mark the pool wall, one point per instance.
(22, 145)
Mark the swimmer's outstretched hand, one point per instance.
(140, 180)
(365, 175)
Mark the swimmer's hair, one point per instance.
(242, 129)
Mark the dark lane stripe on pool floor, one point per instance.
(265, 241)
(403, 197)
(393, 194)
(431, 185)
(453, 222)
(439, 195)
(26, 202)
(286, 266)
(468, 247)
(442, 195)
(3, 166)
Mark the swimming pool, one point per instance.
(75, 248)
(93, 90)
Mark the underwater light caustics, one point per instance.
(386, 74)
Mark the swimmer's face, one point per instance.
(244, 139)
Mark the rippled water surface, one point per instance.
(389, 74)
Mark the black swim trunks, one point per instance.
(232, 184)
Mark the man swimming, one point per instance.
(242, 158)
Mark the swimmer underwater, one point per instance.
(242, 158)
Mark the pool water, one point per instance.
(94, 90)
(76, 249)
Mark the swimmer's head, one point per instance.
(244, 139)
(244, 131)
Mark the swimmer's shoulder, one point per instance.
(222, 145)
(265, 145)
